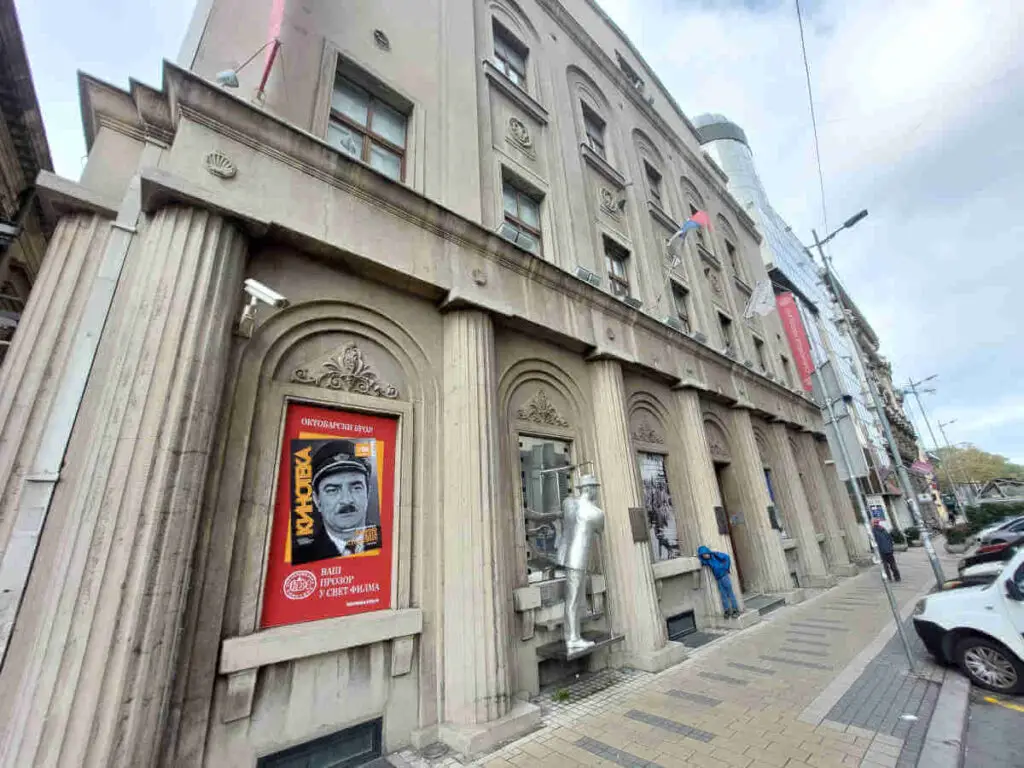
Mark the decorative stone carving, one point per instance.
(608, 203)
(717, 449)
(347, 372)
(220, 165)
(381, 40)
(540, 410)
(479, 276)
(644, 432)
(519, 136)
(713, 280)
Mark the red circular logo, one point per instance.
(299, 585)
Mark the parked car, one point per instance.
(980, 575)
(999, 551)
(1002, 531)
(979, 629)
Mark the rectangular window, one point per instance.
(762, 361)
(725, 325)
(654, 186)
(364, 127)
(634, 79)
(661, 514)
(786, 372)
(522, 218)
(351, 747)
(594, 126)
(510, 55)
(543, 493)
(616, 259)
(730, 251)
(681, 297)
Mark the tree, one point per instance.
(971, 464)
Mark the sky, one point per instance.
(920, 108)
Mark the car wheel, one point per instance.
(990, 665)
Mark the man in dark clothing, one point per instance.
(719, 563)
(884, 541)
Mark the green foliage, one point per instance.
(897, 536)
(958, 533)
(972, 463)
(913, 533)
(561, 695)
(989, 514)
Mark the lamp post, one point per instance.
(914, 387)
(857, 492)
(956, 461)
(876, 400)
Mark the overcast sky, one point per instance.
(921, 116)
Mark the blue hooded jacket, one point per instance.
(719, 562)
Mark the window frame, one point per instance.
(701, 240)
(615, 252)
(728, 333)
(732, 255)
(787, 372)
(684, 316)
(368, 136)
(592, 119)
(759, 353)
(501, 34)
(556, 571)
(655, 185)
(516, 220)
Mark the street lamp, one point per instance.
(876, 400)
(959, 467)
(915, 388)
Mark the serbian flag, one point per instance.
(699, 219)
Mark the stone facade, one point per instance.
(143, 550)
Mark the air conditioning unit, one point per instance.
(633, 301)
(587, 276)
(674, 322)
(749, 364)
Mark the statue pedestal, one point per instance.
(557, 649)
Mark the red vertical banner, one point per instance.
(331, 542)
(797, 336)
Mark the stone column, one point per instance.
(821, 504)
(704, 493)
(477, 682)
(772, 572)
(627, 564)
(857, 546)
(89, 672)
(791, 498)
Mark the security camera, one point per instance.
(260, 292)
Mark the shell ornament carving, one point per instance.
(220, 165)
(645, 433)
(713, 280)
(519, 133)
(347, 372)
(540, 410)
(608, 203)
(716, 449)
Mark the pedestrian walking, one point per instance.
(885, 548)
(719, 563)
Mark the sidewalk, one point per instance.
(802, 688)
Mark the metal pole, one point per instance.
(908, 490)
(912, 387)
(865, 516)
(956, 463)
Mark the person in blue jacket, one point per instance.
(719, 563)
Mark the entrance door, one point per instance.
(719, 468)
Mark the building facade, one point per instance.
(23, 154)
(463, 299)
(837, 373)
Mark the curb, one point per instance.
(943, 743)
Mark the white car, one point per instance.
(980, 629)
(1001, 531)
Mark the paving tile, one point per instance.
(617, 756)
(698, 698)
(751, 668)
(723, 678)
(805, 651)
(795, 662)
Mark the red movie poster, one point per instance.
(797, 336)
(330, 548)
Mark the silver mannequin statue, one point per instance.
(582, 520)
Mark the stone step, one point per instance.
(763, 603)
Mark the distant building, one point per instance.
(23, 153)
(792, 270)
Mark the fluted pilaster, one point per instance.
(771, 572)
(477, 684)
(699, 474)
(792, 499)
(821, 503)
(857, 546)
(109, 583)
(634, 601)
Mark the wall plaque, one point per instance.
(638, 523)
(723, 523)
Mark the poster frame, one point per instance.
(285, 394)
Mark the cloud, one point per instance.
(920, 108)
